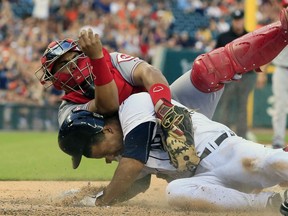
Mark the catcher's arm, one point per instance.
(147, 75)
(177, 134)
(105, 86)
(155, 83)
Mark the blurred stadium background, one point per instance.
(167, 33)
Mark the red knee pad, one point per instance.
(211, 70)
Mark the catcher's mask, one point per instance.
(79, 74)
(76, 132)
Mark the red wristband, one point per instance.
(101, 71)
(160, 91)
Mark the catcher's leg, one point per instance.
(187, 94)
(211, 70)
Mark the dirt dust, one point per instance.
(53, 198)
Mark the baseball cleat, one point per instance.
(284, 208)
(276, 199)
(277, 146)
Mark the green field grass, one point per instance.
(36, 156)
(265, 135)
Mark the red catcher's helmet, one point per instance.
(284, 3)
(79, 68)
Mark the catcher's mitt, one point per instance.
(177, 128)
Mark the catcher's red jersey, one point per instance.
(125, 89)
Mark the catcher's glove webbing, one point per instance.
(177, 128)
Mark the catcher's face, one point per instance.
(71, 72)
(65, 67)
(66, 63)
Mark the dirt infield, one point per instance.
(46, 198)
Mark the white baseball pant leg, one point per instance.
(224, 178)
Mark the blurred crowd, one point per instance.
(135, 27)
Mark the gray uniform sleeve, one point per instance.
(185, 92)
(281, 59)
(125, 64)
(66, 108)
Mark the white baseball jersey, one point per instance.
(230, 167)
(138, 108)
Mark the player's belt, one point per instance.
(218, 141)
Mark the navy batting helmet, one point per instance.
(76, 132)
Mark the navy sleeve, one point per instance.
(137, 143)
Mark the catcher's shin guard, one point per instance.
(211, 70)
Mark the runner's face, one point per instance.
(110, 147)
